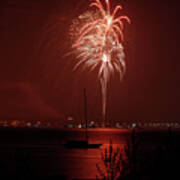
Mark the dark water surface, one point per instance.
(43, 151)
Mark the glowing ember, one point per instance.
(105, 58)
(98, 38)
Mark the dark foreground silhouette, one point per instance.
(20, 160)
(132, 163)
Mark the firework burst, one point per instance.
(98, 43)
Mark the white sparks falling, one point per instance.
(98, 44)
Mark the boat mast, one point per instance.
(85, 114)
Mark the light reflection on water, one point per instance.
(49, 156)
(81, 163)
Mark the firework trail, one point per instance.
(97, 41)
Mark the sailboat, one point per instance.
(82, 144)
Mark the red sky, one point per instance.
(34, 39)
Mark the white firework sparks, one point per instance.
(98, 44)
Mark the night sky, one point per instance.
(37, 80)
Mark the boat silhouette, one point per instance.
(82, 144)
